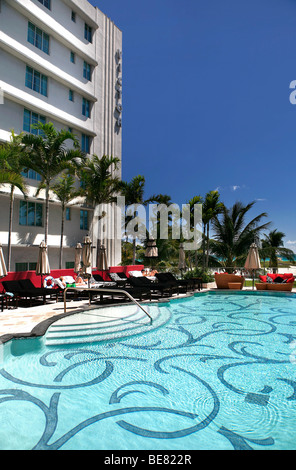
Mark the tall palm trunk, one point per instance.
(10, 227)
(208, 244)
(204, 247)
(134, 251)
(62, 237)
(46, 213)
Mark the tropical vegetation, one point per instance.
(67, 173)
(48, 155)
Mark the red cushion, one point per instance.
(290, 279)
(273, 276)
(262, 278)
(287, 275)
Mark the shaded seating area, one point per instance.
(25, 285)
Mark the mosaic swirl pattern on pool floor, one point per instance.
(220, 375)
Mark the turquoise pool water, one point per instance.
(221, 374)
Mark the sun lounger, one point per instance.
(120, 281)
(180, 284)
(24, 289)
(155, 287)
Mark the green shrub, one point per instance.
(206, 276)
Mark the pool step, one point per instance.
(106, 324)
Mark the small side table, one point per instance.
(234, 285)
(197, 282)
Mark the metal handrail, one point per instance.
(102, 289)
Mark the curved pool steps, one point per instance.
(106, 324)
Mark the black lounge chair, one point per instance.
(121, 275)
(120, 281)
(161, 287)
(135, 291)
(99, 278)
(182, 284)
(24, 289)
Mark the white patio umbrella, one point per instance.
(102, 263)
(42, 268)
(3, 270)
(77, 262)
(86, 256)
(151, 250)
(253, 260)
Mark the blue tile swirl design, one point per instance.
(221, 374)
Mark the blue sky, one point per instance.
(206, 100)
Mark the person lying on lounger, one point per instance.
(79, 281)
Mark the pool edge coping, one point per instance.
(41, 328)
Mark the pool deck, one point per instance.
(25, 322)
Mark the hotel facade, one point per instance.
(60, 62)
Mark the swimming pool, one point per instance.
(220, 374)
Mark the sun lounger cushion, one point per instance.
(135, 273)
(69, 280)
(59, 283)
(271, 277)
(116, 278)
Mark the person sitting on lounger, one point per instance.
(79, 281)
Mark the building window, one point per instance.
(86, 71)
(21, 267)
(68, 213)
(85, 143)
(25, 267)
(38, 38)
(71, 95)
(30, 120)
(69, 264)
(36, 81)
(46, 3)
(87, 32)
(85, 107)
(31, 214)
(83, 220)
(73, 16)
(31, 174)
(72, 57)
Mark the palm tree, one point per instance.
(272, 247)
(133, 192)
(99, 185)
(65, 192)
(192, 202)
(211, 208)
(11, 168)
(233, 235)
(48, 155)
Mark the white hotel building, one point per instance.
(60, 62)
